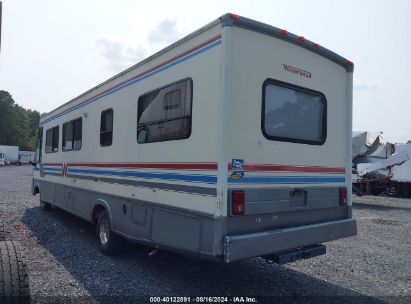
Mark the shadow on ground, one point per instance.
(72, 242)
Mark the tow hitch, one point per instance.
(293, 255)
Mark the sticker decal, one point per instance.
(237, 165)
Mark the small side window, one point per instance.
(106, 128)
(39, 145)
(72, 135)
(52, 140)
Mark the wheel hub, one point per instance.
(104, 232)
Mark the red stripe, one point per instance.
(167, 166)
(201, 45)
(211, 166)
(286, 168)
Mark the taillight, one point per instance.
(237, 202)
(343, 196)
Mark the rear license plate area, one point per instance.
(297, 254)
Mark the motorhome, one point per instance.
(233, 142)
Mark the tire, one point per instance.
(44, 205)
(109, 242)
(14, 280)
(2, 232)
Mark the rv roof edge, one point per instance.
(228, 20)
(155, 55)
(267, 29)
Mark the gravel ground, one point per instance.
(65, 264)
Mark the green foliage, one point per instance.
(18, 126)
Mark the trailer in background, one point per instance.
(373, 163)
(401, 175)
(9, 155)
(27, 157)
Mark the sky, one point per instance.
(52, 51)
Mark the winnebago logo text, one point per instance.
(297, 71)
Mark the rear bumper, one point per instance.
(239, 247)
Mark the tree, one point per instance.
(17, 125)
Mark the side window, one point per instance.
(293, 114)
(165, 114)
(72, 135)
(106, 128)
(37, 158)
(52, 140)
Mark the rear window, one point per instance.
(293, 114)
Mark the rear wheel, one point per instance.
(44, 205)
(110, 243)
(14, 282)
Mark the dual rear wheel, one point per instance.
(109, 242)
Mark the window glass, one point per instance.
(68, 136)
(72, 135)
(293, 114)
(37, 158)
(77, 134)
(165, 114)
(52, 140)
(106, 128)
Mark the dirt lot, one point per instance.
(65, 264)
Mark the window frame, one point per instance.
(167, 120)
(112, 126)
(58, 139)
(300, 89)
(73, 132)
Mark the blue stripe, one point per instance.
(135, 81)
(286, 180)
(53, 169)
(209, 179)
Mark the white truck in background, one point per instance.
(401, 175)
(9, 155)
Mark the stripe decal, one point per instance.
(164, 166)
(286, 180)
(150, 175)
(152, 185)
(204, 46)
(208, 179)
(288, 168)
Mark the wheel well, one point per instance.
(36, 189)
(96, 211)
